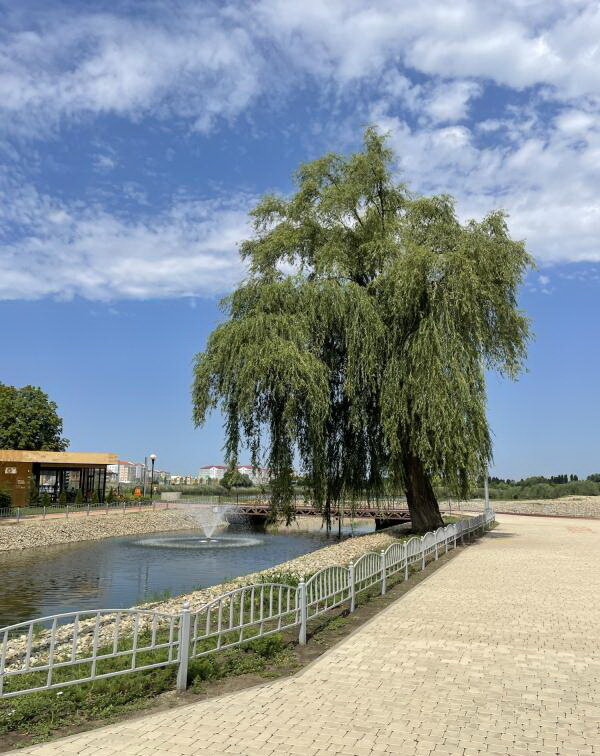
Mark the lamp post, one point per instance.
(486, 492)
(152, 459)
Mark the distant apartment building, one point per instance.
(215, 473)
(184, 480)
(122, 472)
(138, 473)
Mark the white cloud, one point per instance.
(514, 43)
(104, 163)
(67, 65)
(65, 251)
(419, 70)
(546, 181)
(450, 101)
(207, 60)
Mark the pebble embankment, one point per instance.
(567, 506)
(29, 534)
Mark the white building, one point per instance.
(122, 472)
(258, 475)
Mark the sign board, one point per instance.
(137, 491)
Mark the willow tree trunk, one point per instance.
(422, 504)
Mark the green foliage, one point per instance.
(368, 361)
(94, 498)
(234, 479)
(45, 500)
(62, 498)
(5, 499)
(34, 492)
(111, 496)
(79, 497)
(541, 490)
(251, 657)
(29, 420)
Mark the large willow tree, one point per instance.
(360, 338)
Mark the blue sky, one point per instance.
(135, 137)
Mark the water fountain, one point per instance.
(211, 519)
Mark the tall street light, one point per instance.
(153, 460)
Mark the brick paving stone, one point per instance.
(496, 653)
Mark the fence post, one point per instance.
(88, 509)
(383, 575)
(436, 546)
(405, 562)
(153, 505)
(18, 514)
(67, 513)
(184, 647)
(446, 540)
(44, 515)
(352, 587)
(422, 553)
(303, 612)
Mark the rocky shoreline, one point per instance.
(567, 506)
(29, 534)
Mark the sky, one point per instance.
(135, 137)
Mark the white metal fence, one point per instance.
(78, 647)
(54, 511)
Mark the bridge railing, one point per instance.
(78, 647)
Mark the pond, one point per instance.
(124, 571)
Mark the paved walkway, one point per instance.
(496, 653)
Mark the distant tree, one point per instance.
(233, 478)
(5, 498)
(595, 477)
(29, 420)
(34, 492)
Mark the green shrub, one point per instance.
(79, 497)
(267, 647)
(62, 499)
(5, 499)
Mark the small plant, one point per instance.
(94, 496)
(111, 498)
(34, 492)
(46, 499)
(79, 497)
(62, 499)
(267, 647)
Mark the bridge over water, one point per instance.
(385, 512)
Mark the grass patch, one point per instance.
(36, 716)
